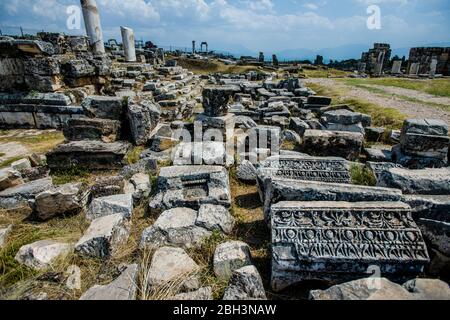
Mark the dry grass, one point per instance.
(204, 67)
(42, 142)
(17, 280)
(437, 87)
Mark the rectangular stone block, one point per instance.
(92, 129)
(92, 155)
(343, 144)
(277, 190)
(335, 170)
(192, 186)
(426, 127)
(429, 146)
(340, 241)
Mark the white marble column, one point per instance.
(93, 26)
(128, 44)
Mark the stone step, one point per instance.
(93, 155)
(277, 190)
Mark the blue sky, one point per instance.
(267, 25)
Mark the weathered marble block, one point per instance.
(279, 189)
(427, 181)
(216, 98)
(92, 129)
(306, 168)
(112, 108)
(429, 146)
(192, 186)
(95, 155)
(339, 241)
(426, 127)
(379, 167)
(347, 145)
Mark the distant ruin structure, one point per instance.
(93, 26)
(429, 60)
(377, 58)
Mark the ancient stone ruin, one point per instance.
(166, 149)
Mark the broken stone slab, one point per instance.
(104, 236)
(93, 155)
(335, 170)
(192, 186)
(437, 234)
(146, 164)
(268, 137)
(418, 145)
(230, 256)
(112, 108)
(383, 289)
(245, 284)
(117, 204)
(415, 162)
(319, 100)
(433, 207)
(333, 143)
(346, 118)
(50, 99)
(332, 241)
(279, 189)
(216, 98)
(107, 186)
(198, 153)
(425, 127)
(298, 126)
(41, 254)
(246, 172)
(170, 266)
(92, 129)
(143, 117)
(244, 122)
(22, 164)
(225, 124)
(19, 196)
(358, 128)
(70, 198)
(378, 168)
(4, 233)
(142, 186)
(429, 181)
(215, 218)
(378, 155)
(122, 288)
(175, 227)
(374, 134)
(10, 178)
(202, 294)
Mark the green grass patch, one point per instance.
(134, 155)
(362, 176)
(8, 162)
(69, 175)
(437, 87)
(389, 118)
(324, 73)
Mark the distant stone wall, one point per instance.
(424, 56)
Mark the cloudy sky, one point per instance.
(268, 25)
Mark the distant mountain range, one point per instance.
(351, 51)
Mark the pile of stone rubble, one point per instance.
(194, 131)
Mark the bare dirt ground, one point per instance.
(409, 108)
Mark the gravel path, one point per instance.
(411, 109)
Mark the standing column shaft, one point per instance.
(93, 26)
(128, 44)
